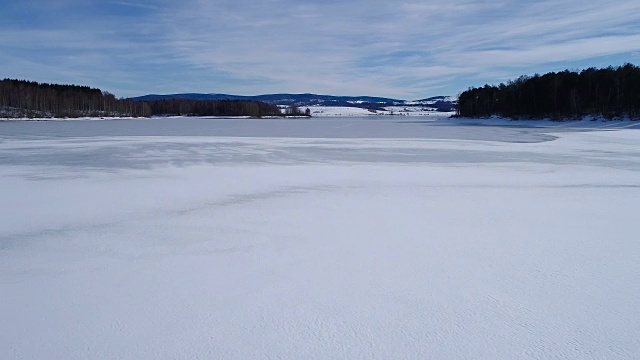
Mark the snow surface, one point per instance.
(432, 100)
(587, 122)
(345, 111)
(316, 239)
(341, 111)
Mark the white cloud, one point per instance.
(408, 49)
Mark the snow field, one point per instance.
(347, 111)
(266, 247)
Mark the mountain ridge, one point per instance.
(440, 103)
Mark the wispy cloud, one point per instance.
(408, 49)
(138, 5)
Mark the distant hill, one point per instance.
(441, 103)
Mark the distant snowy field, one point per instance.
(318, 239)
(345, 111)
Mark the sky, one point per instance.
(399, 49)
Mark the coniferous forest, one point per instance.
(610, 92)
(28, 99)
(212, 107)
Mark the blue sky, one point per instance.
(400, 49)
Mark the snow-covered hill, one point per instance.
(438, 103)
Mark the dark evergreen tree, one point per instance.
(212, 108)
(610, 92)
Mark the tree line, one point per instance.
(609, 92)
(294, 110)
(22, 98)
(32, 99)
(186, 107)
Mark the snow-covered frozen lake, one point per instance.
(345, 238)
